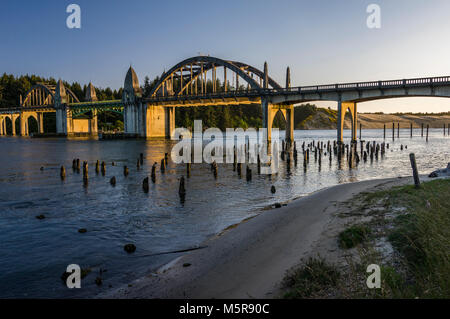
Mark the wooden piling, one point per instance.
(103, 168)
(393, 131)
(188, 170)
(141, 157)
(145, 185)
(428, 128)
(63, 173)
(154, 172)
(97, 167)
(398, 130)
(125, 171)
(138, 164)
(412, 158)
(112, 181)
(422, 129)
(411, 130)
(384, 131)
(248, 174)
(163, 165)
(182, 189)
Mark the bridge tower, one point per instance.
(144, 119)
(132, 112)
(65, 123)
(270, 110)
(63, 114)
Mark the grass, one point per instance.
(422, 236)
(418, 227)
(312, 279)
(352, 236)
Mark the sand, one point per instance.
(250, 260)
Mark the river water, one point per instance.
(34, 253)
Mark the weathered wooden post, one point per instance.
(163, 165)
(125, 171)
(97, 167)
(422, 129)
(393, 130)
(145, 186)
(384, 131)
(103, 168)
(182, 189)
(112, 181)
(154, 172)
(141, 157)
(74, 164)
(239, 170)
(398, 129)
(444, 129)
(78, 165)
(248, 174)
(360, 131)
(85, 174)
(258, 164)
(412, 158)
(138, 164)
(63, 173)
(188, 169)
(411, 130)
(166, 158)
(428, 128)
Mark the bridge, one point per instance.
(206, 81)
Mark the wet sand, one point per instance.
(250, 260)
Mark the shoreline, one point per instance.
(249, 259)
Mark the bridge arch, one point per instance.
(192, 70)
(44, 94)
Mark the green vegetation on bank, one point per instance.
(414, 222)
(422, 236)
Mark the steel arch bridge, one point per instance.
(42, 94)
(194, 82)
(191, 77)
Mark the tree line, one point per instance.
(244, 116)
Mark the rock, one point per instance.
(40, 217)
(186, 264)
(273, 189)
(129, 248)
(277, 205)
(441, 172)
(82, 230)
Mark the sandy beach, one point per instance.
(250, 260)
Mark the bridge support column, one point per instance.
(159, 121)
(342, 109)
(289, 115)
(13, 125)
(40, 121)
(63, 121)
(23, 125)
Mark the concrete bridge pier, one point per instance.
(270, 111)
(342, 109)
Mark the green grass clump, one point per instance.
(422, 235)
(353, 236)
(313, 278)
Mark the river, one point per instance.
(34, 253)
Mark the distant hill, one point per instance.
(310, 117)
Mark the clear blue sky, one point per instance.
(322, 41)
